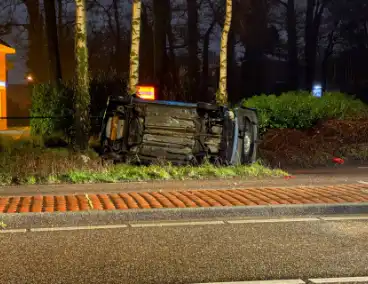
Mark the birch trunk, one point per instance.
(221, 96)
(82, 98)
(134, 49)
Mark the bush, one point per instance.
(52, 107)
(300, 110)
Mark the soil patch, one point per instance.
(318, 145)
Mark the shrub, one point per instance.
(52, 107)
(300, 110)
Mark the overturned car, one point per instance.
(140, 129)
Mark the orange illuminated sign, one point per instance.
(4, 50)
(146, 92)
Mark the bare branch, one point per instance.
(282, 3)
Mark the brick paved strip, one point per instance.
(355, 193)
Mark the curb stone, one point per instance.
(59, 219)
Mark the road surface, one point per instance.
(184, 253)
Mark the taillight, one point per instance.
(146, 92)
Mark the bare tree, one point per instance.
(135, 44)
(118, 47)
(192, 40)
(205, 61)
(37, 57)
(53, 41)
(221, 96)
(82, 97)
(160, 22)
(314, 13)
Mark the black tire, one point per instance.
(249, 142)
(248, 137)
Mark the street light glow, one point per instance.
(29, 78)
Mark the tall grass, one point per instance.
(28, 161)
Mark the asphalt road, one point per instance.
(187, 254)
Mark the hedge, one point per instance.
(55, 104)
(301, 110)
(298, 110)
(52, 110)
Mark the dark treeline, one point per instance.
(274, 45)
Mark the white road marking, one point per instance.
(339, 280)
(363, 182)
(53, 229)
(168, 224)
(292, 281)
(9, 231)
(344, 218)
(189, 223)
(283, 220)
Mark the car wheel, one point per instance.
(248, 143)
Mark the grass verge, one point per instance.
(120, 173)
(26, 161)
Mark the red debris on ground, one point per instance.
(289, 177)
(338, 161)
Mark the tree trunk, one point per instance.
(82, 97)
(292, 46)
(61, 36)
(205, 64)
(53, 41)
(135, 43)
(37, 58)
(160, 29)
(60, 14)
(313, 22)
(231, 68)
(326, 56)
(171, 41)
(60, 24)
(193, 39)
(146, 49)
(118, 52)
(221, 96)
(256, 41)
(309, 53)
(324, 73)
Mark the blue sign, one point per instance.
(317, 91)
